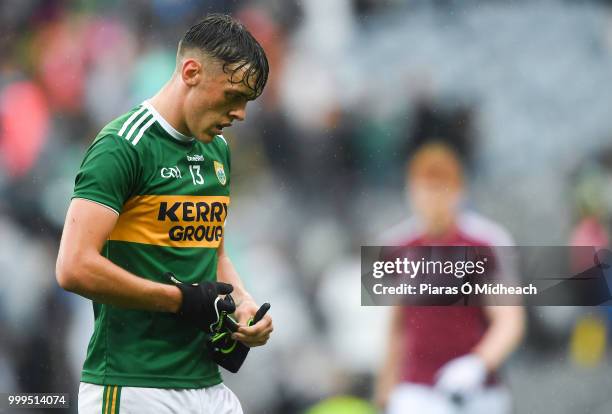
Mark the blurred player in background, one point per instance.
(443, 359)
(151, 197)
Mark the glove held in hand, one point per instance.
(200, 305)
(227, 352)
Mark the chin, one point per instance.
(205, 138)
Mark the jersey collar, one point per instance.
(165, 125)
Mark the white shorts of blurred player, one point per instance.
(421, 399)
(134, 400)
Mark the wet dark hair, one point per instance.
(222, 37)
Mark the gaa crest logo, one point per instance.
(220, 173)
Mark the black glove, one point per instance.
(225, 351)
(201, 304)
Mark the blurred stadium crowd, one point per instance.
(521, 88)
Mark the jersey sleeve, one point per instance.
(109, 173)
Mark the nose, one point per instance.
(238, 113)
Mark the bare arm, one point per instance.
(506, 330)
(388, 376)
(226, 272)
(83, 270)
(246, 307)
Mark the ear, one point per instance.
(191, 71)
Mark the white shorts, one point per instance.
(416, 398)
(112, 399)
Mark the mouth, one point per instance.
(217, 129)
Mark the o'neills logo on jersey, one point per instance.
(174, 221)
(195, 158)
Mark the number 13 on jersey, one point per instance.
(195, 174)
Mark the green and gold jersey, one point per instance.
(171, 193)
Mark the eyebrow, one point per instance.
(248, 97)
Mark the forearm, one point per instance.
(97, 278)
(81, 269)
(259, 333)
(503, 336)
(226, 272)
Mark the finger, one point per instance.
(224, 288)
(249, 341)
(266, 327)
(244, 318)
(252, 334)
(253, 341)
(253, 337)
(266, 321)
(254, 330)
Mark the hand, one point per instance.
(461, 376)
(201, 303)
(381, 394)
(254, 335)
(228, 351)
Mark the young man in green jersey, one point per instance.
(151, 197)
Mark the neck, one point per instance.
(166, 103)
(440, 228)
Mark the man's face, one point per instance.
(214, 99)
